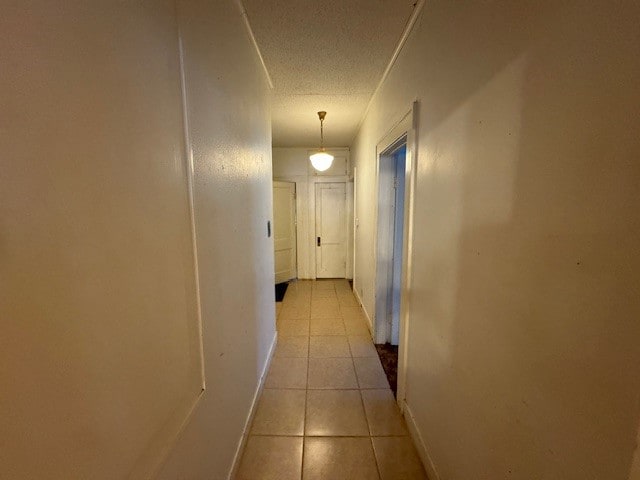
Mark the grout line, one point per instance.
(290, 388)
(306, 395)
(338, 436)
(272, 435)
(375, 458)
(302, 459)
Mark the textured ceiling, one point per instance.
(324, 55)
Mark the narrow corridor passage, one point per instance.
(326, 411)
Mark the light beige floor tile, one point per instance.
(301, 285)
(297, 301)
(300, 292)
(347, 300)
(287, 373)
(322, 346)
(280, 412)
(292, 346)
(344, 290)
(271, 458)
(361, 346)
(356, 326)
(295, 311)
(339, 459)
(342, 286)
(278, 308)
(352, 312)
(324, 293)
(370, 373)
(325, 310)
(331, 373)
(325, 302)
(293, 326)
(322, 285)
(335, 413)
(398, 459)
(297, 294)
(327, 326)
(383, 413)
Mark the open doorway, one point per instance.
(391, 189)
(395, 175)
(284, 235)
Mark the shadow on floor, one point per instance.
(389, 358)
(281, 289)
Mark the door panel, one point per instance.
(284, 230)
(331, 228)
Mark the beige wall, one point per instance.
(292, 164)
(635, 466)
(523, 344)
(231, 140)
(99, 338)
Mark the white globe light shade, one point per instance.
(321, 161)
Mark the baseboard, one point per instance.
(252, 411)
(366, 314)
(420, 445)
(355, 292)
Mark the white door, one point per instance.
(331, 230)
(284, 230)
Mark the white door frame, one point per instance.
(294, 220)
(406, 127)
(312, 212)
(301, 186)
(345, 220)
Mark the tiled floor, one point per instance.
(326, 411)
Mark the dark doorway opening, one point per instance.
(281, 289)
(389, 358)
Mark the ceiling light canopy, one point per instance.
(321, 160)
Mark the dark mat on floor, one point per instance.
(281, 289)
(389, 358)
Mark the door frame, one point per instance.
(301, 186)
(346, 220)
(407, 128)
(294, 206)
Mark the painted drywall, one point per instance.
(230, 139)
(292, 164)
(523, 353)
(634, 474)
(100, 341)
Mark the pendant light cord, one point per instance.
(321, 116)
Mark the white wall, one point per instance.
(292, 164)
(231, 138)
(100, 340)
(523, 345)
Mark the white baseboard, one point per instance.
(366, 314)
(420, 445)
(252, 411)
(355, 292)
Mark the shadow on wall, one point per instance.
(526, 268)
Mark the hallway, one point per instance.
(139, 146)
(326, 410)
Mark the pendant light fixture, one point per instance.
(321, 160)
